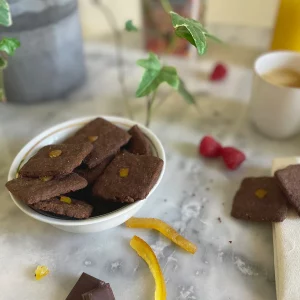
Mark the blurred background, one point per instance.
(246, 25)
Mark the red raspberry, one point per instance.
(232, 157)
(219, 72)
(209, 147)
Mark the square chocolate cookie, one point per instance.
(289, 181)
(91, 175)
(56, 160)
(33, 190)
(106, 138)
(65, 206)
(128, 178)
(259, 199)
(138, 143)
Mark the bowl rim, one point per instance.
(33, 144)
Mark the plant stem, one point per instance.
(150, 101)
(166, 5)
(2, 88)
(111, 20)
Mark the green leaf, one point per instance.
(130, 27)
(154, 75)
(5, 16)
(192, 31)
(9, 45)
(3, 63)
(186, 95)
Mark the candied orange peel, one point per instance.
(65, 199)
(164, 229)
(40, 272)
(261, 193)
(55, 153)
(93, 138)
(46, 178)
(124, 172)
(147, 254)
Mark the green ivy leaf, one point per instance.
(5, 16)
(192, 31)
(9, 45)
(129, 26)
(186, 95)
(154, 75)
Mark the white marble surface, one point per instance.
(192, 196)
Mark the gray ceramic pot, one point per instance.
(50, 62)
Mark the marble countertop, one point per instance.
(234, 260)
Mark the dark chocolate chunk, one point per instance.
(138, 144)
(56, 160)
(84, 284)
(128, 178)
(289, 181)
(92, 174)
(33, 190)
(106, 138)
(259, 199)
(65, 206)
(103, 292)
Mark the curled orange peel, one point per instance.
(164, 229)
(147, 254)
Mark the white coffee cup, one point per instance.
(275, 110)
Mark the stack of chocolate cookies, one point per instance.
(99, 166)
(266, 198)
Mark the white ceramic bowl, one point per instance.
(57, 134)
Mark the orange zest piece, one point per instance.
(65, 199)
(124, 172)
(147, 254)
(261, 193)
(164, 229)
(55, 153)
(40, 272)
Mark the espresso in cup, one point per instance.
(283, 77)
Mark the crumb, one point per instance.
(230, 242)
(193, 195)
(219, 219)
(207, 188)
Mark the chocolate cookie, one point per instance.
(289, 181)
(259, 199)
(84, 284)
(128, 178)
(65, 206)
(56, 160)
(138, 143)
(33, 190)
(106, 138)
(92, 174)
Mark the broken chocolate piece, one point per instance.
(250, 205)
(143, 173)
(84, 284)
(104, 292)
